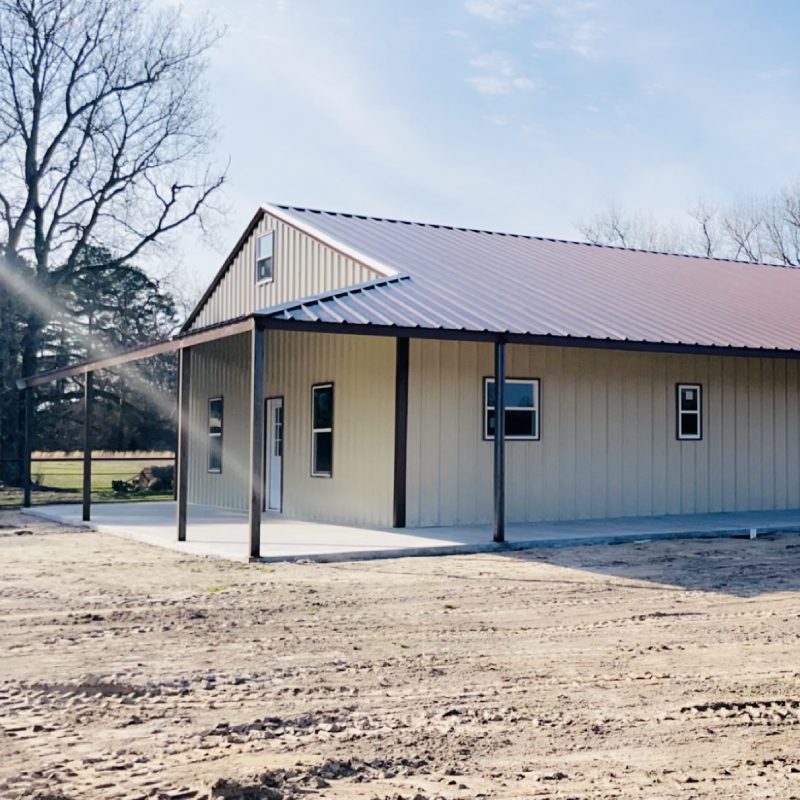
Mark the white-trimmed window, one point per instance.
(215, 434)
(264, 252)
(522, 408)
(322, 430)
(689, 411)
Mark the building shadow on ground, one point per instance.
(732, 566)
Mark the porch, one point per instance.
(222, 533)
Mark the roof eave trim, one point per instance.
(548, 340)
(328, 294)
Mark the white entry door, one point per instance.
(274, 453)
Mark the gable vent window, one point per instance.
(264, 248)
(522, 408)
(690, 411)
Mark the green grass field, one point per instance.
(60, 481)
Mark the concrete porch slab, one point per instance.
(222, 533)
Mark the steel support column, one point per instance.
(500, 442)
(88, 401)
(27, 445)
(400, 433)
(182, 466)
(256, 494)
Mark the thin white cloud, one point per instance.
(773, 74)
(585, 39)
(499, 75)
(574, 28)
(497, 10)
(496, 62)
(487, 85)
(494, 86)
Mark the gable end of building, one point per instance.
(305, 262)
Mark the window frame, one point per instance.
(537, 409)
(221, 435)
(680, 413)
(315, 387)
(271, 278)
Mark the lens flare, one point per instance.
(98, 347)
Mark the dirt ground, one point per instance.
(660, 670)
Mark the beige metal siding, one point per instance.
(362, 371)
(608, 445)
(301, 267)
(220, 369)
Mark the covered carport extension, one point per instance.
(256, 326)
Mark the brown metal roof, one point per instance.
(471, 280)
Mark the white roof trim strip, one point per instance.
(310, 230)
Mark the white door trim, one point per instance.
(274, 434)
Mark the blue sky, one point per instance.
(518, 115)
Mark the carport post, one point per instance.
(182, 467)
(400, 433)
(256, 438)
(88, 401)
(27, 439)
(500, 441)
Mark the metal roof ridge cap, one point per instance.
(331, 241)
(330, 294)
(528, 236)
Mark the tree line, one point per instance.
(763, 230)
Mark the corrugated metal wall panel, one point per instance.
(608, 445)
(302, 267)
(220, 369)
(362, 371)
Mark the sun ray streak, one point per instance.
(99, 347)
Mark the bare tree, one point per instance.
(761, 230)
(639, 231)
(708, 238)
(104, 140)
(743, 224)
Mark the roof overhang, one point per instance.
(445, 334)
(271, 319)
(210, 334)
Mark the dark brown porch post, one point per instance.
(27, 445)
(257, 351)
(182, 471)
(400, 433)
(88, 401)
(500, 441)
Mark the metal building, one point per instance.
(384, 373)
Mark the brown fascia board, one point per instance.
(545, 340)
(265, 322)
(381, 269)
